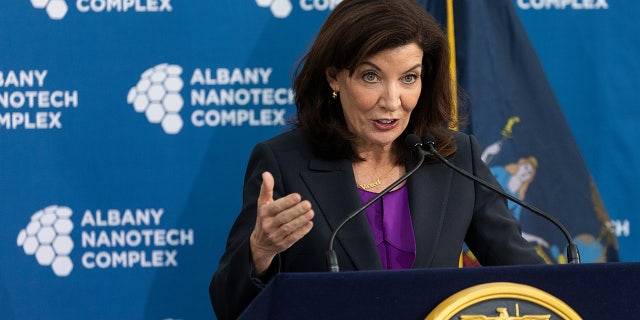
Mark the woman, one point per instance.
(377, 71)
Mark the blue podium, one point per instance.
(594, 291)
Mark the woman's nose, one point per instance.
(391, 97)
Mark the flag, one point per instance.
(528, 145)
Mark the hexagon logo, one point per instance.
(56, 9)
(157, 95)
(47, 237)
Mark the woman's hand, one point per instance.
(279, 224)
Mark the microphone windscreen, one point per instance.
(429, 139)
(412, 141)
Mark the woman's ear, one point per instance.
(332, 78)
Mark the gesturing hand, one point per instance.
(279, 224)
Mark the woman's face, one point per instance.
(377, 99)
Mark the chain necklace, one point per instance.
(377, 182)
(367, 186)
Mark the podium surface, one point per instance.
(594, 291)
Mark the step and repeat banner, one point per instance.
(589, 52)
(125, 127)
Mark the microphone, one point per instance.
(411, 141)
(573, 256)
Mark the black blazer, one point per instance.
(447, 209)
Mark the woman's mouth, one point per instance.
(385, 124)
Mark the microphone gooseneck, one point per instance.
(412, 142)
(573, 255)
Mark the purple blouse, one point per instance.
(390, 221)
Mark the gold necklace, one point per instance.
(367, 186)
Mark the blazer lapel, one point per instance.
(332, 185)
(429, 189)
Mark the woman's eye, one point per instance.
(410, 78)
(370, 77)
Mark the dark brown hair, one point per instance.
(354, 31)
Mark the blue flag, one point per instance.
(529, 147)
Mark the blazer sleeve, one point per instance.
(494, 235)
(233, 285)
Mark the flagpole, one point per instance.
(452, 64)
(451, 35)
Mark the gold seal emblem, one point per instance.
(498, 300)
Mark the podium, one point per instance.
(594, 291)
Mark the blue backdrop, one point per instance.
(588, 50)
(125, 127)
